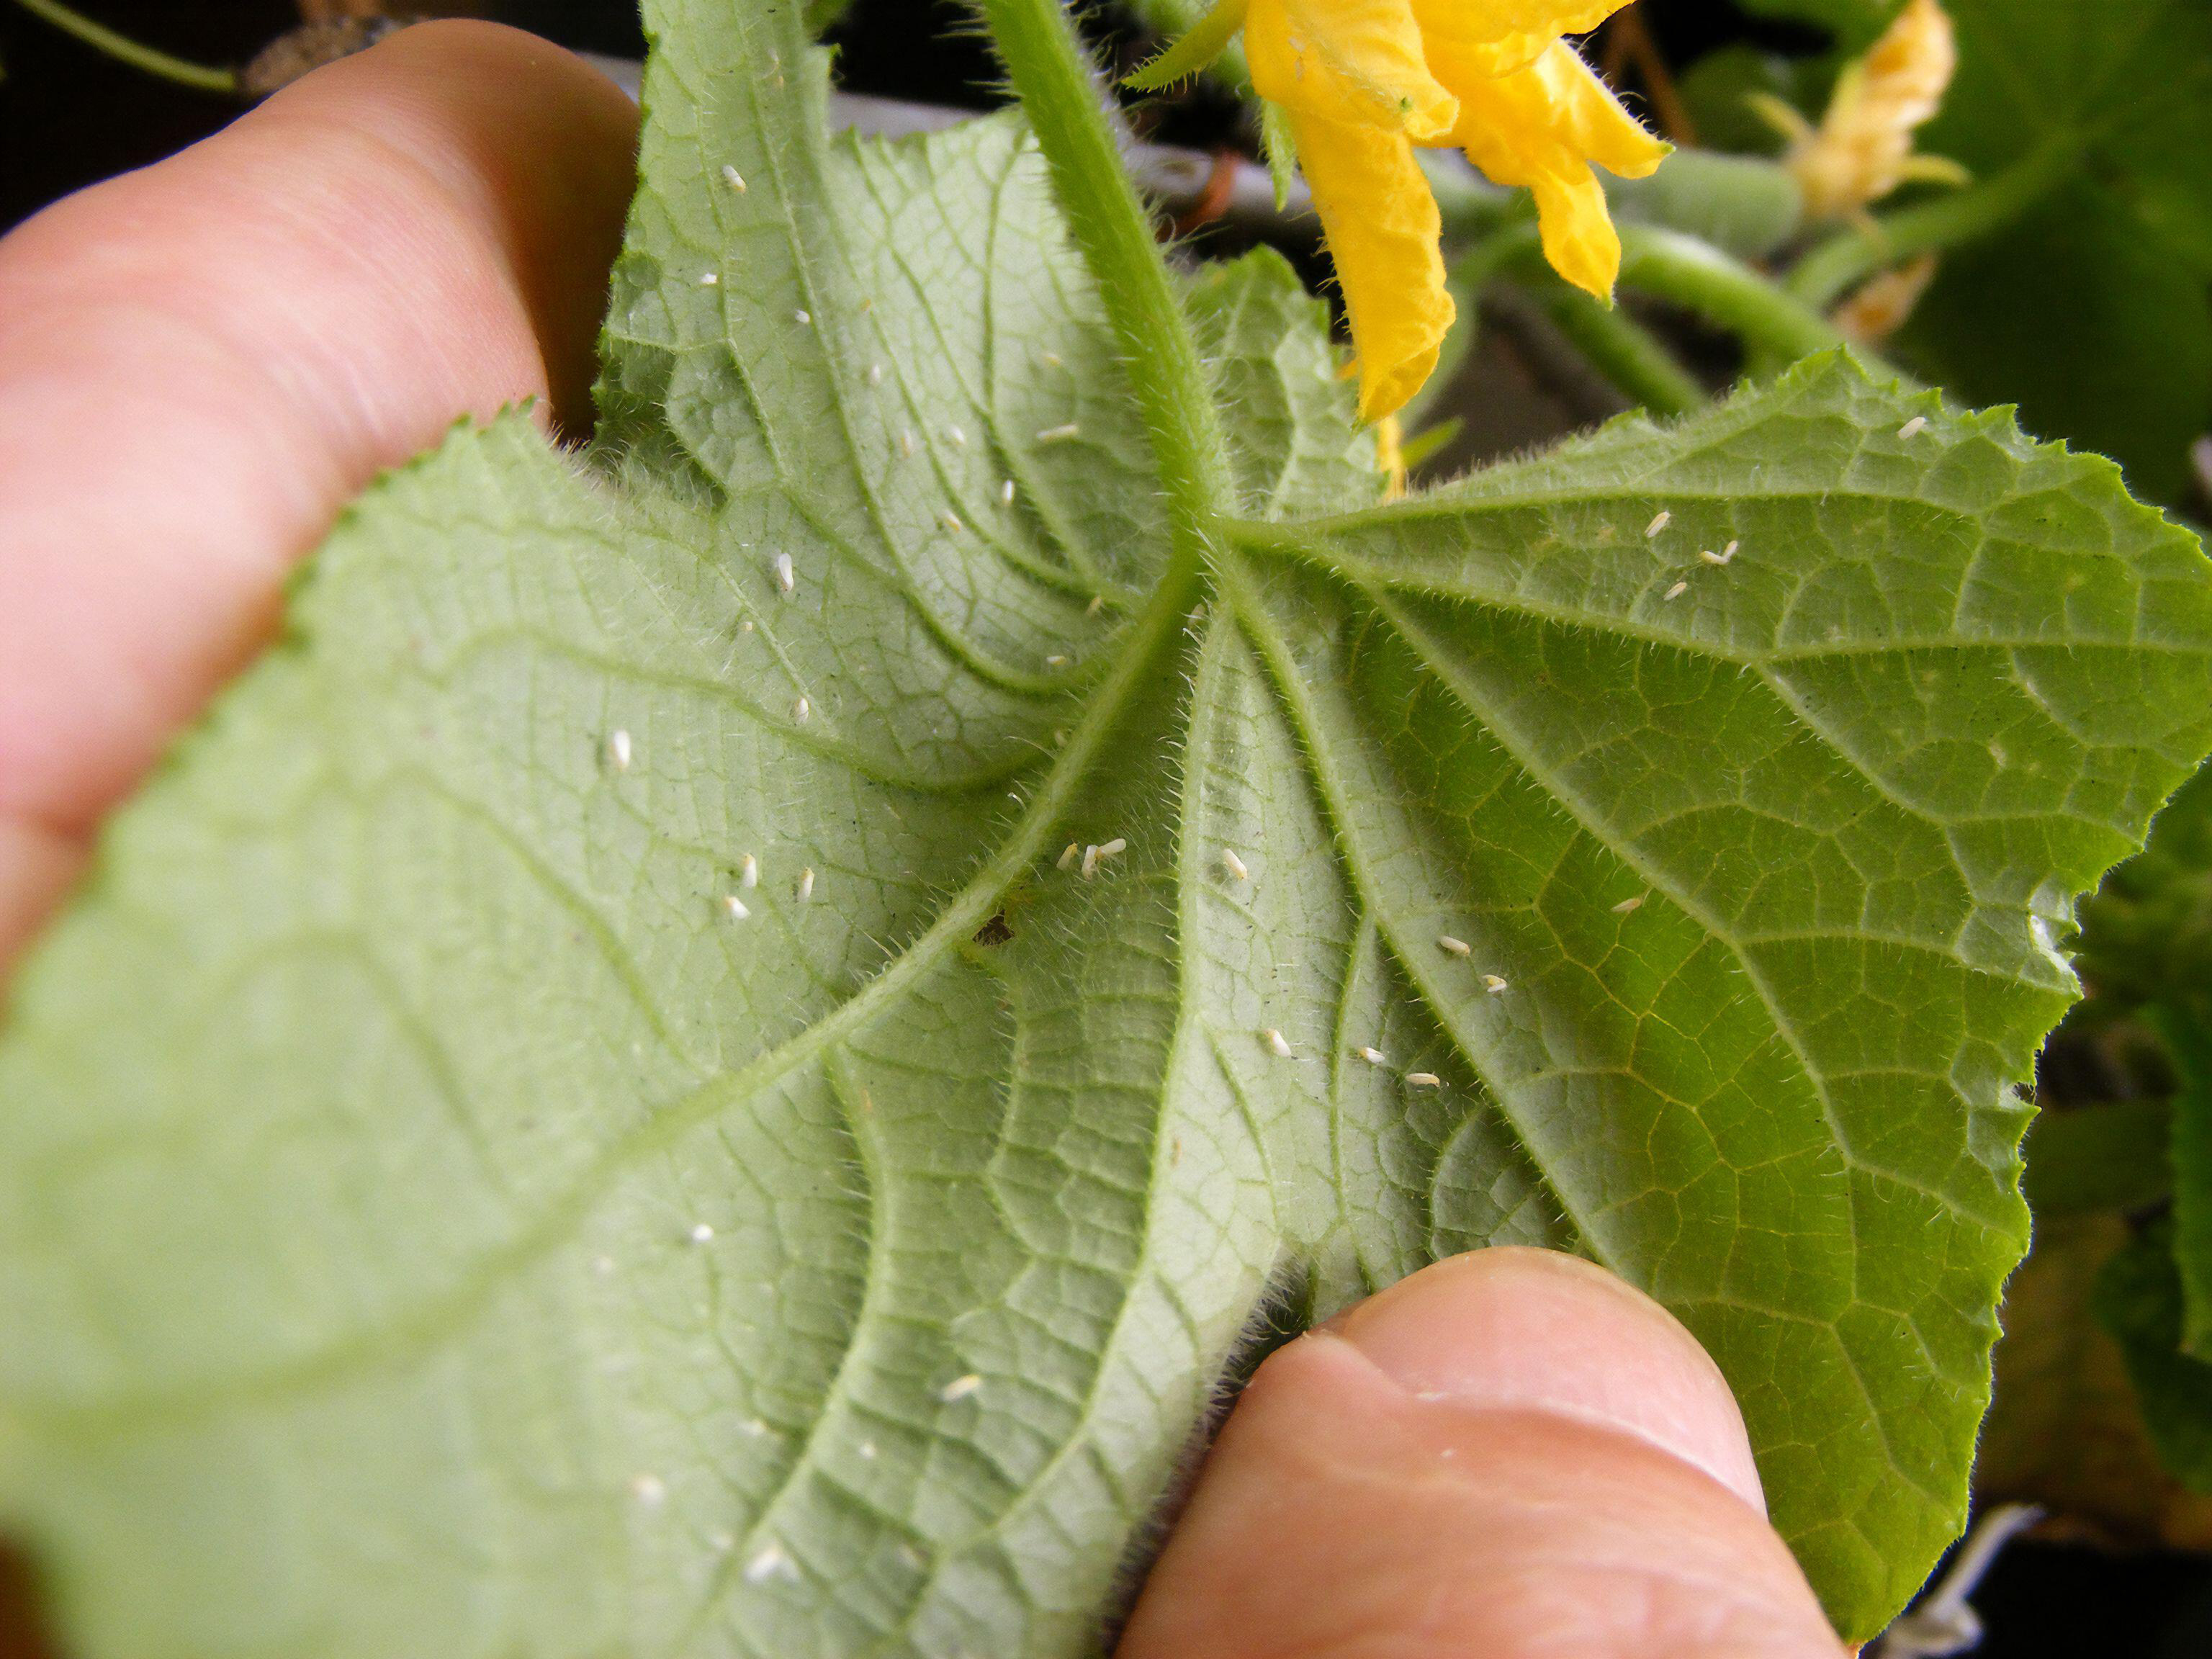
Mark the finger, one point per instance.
(200, 363)
(1510, 1454)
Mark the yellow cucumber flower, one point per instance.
(1863, 148)
(1362, 82)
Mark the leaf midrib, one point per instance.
(1305, 541)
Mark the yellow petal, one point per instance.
(1579, 239)
(1544, 126)
(1382, 228)
(1390, 457)
(1347, 60)
(1551, 17)
(1496, 37)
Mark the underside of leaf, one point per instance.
(717, 1052)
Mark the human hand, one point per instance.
(1509, 1455)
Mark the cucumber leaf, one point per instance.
(718, 1053)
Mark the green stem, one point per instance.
(1062, 98)
(1624, 351)
(1837, 265)
(1691, 273)
(201, 76)
(1723, 290)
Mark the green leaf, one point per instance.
(1846, 686)
(2146, 946)
(2187, 1028)
(2146, 936)
(2138, 1300)
(2065, 1429)
(2092, 313)
(2114, 1156)
(433, 1221)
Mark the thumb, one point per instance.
(1510, 1454)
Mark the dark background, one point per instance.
(69, 117)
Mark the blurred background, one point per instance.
(2101, 1580)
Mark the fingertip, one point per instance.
(482, 110)
(203, 361)
(1537, 1330)
(1511, 1454)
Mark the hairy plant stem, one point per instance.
(1061, 96)
(1834, 268)
(202, 78)
(1669, 264)
(1623, 350)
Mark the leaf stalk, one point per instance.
(1837, 265)
(1062, 96)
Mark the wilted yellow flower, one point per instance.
(1863, 148)
(1364, 81)
(1884, 302)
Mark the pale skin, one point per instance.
(1509, 1455)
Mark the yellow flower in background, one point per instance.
(1863, 148)
(1362, 82)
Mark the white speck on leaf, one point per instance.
(768, 1562)
(1457, 947)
